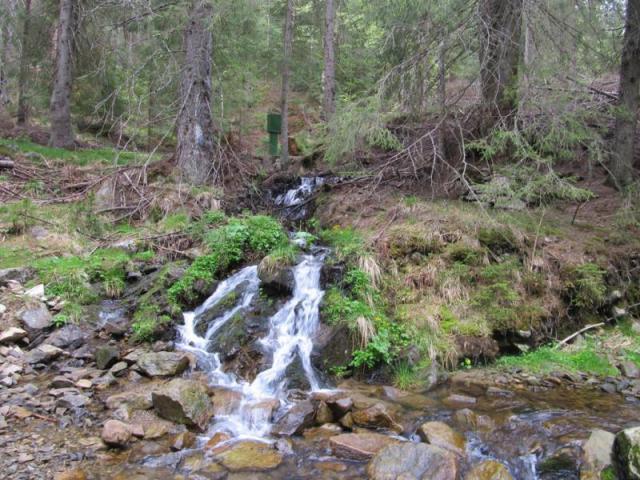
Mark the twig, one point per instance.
(582, 330)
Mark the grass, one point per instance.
(548, 358)
(81, 157)
(11, 257)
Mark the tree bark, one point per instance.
(4, 48)
(286, 67)
(197, 150)
(23, 107)
(60, 112)
(627, 117)
(329, 78)
(500, 29)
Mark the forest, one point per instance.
(256, 239)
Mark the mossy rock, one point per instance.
(626, 449)
(498, 240)
(276, 275)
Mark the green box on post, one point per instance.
(274, 127)
(274, 123)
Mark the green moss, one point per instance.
(147, 322)
(462, 253)
(409, 239)
(498, 240)
(608, 474)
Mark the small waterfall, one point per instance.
(291, 330)
(294, 201)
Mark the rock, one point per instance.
(139, 399)
(412, 461)
(3, 309)
(347, 421)
(36, 292)
(275, 276)
(36, 318)
(72, 400)
(12, 335)
(61, 382)
(184, 401)
(106, 357)
(118, 368)
(75, 474)
(84, 383)
(626, 452)
(323, 414)
(630, 369)
(43, 353)
(608, 387)
(340, 406)
(359, 446)
(563, 463)
(248, 456)
(20, 275)
(163, 364)
(469, 420)
(442, 435)
(299, 417)
(376, 416)
(460, 399)
(116, 433)
(183, 440)
(596, 452)
(489, 470)
(69, 336)
(217, 439)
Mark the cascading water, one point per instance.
(291, 331)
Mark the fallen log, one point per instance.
(5, 163)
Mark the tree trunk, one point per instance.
(284, 101)
(23, 108)
(329, 79)
(4, 49)
(627, 117)
(61, 131)
(196, 151)
(500, 29)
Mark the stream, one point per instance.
(535, 432)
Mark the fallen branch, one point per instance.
(7, 163)
(582, 330)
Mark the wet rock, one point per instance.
(225, 401)
(116, 433)
(376, 416)
(106, 357)
(458, 399)
(323, 414)
(248, 456)
(152, 425)
(332, 345)
(36, 318)
(359, 446)
(299, 417)
(185, 402)
(340, 405)
(217, 439)
(276, 276)
(347, 421)
(596, 452)
(131, 400)
(43, 353)
(412, 461)
(469, 420)
(163, 364)
(442, 435)
(183, 440)
(75, 474)
(61, 382)
(20, 275)
(489, 470)
(626, 451)
(118, 368)
(322, 432)
(12, 335)
(69, 336)
(562, 463)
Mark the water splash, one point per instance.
(291, 331)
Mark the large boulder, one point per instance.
(184, 401)
(376, 416)
(412, 461)
(69, 336)
(489, 470)
(359, 446)
(596, 453)
(163, 364)
(276, 275)
(106, 357)
(12, 335)
(442, 435)
(252, 456)
(36, 318)
(299, 417)
(626, 450)
(43, 353)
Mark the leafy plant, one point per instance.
(586, 286)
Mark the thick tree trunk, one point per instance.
(627, 117)
(286, 67)
(196, 152)
(23, 107)
(500, 29)
(4, 49)
(329, 79)
(60, 114)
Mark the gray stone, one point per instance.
(12, 334)
(626, 450)
(69, 336)
(43, 353)
(106, 357)
(597, 451)
(276, 276)
(20, 274)
(118, 368)
(359, 446)
(442, 435)
(299, 417)
(184, 401)
(163, 364)
(412, 461)
(36, 292)
(630, 369)
(36, 318)
(116, 433)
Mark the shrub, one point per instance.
(498, 240)
(586, 286)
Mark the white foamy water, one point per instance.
(291, 331)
